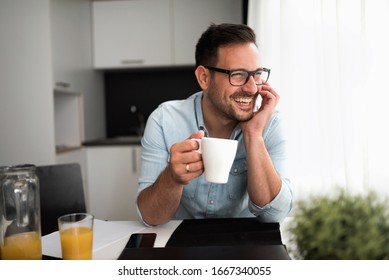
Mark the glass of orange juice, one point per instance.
(76, 234)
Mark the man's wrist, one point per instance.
(170, 179)
(253, 139)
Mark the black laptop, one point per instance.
(215, 239)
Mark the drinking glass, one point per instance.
(76, 234)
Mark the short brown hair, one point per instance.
(221, 35)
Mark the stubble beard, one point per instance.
(224, 106)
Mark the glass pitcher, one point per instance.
(20, 229)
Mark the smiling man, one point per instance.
(236, 102)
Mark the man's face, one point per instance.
(234, 102)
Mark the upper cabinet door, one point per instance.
(192, 18)
(71, 46)
(134, 33)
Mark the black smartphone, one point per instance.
(141, 240)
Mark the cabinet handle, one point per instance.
(134, 166)
(132, 61)
(62, 84)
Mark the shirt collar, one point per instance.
(199, 113)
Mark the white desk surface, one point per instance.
(113, 251)
(112, 237)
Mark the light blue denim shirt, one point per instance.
(174, 121)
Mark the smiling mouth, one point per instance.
(243, 100)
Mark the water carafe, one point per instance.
(20, 228)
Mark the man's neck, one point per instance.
(217, 125)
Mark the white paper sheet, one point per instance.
(104, 234)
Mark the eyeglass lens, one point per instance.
(240, 77)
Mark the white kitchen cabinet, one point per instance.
(77, 86)
(192, 18)
(132, 33)
(140, 33)
(68, 27)
(76, 155)
(112, 174)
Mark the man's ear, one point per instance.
(202, 76)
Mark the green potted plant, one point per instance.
(341, 227)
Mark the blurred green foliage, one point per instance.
(342, 227)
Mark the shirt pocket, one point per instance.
(237, 183)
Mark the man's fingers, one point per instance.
(199, 134)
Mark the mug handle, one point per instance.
(198, 141)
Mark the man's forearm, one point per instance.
(264, 183)
(158, 203)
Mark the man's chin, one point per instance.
(245, 118)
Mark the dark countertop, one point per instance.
(114, 141)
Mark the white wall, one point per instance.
(26, 99)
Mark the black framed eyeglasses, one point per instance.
(239, 77)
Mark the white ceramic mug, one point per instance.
(218, 155)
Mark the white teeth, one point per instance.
(243, 100)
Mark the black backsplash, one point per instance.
(132, 95)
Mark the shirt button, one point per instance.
(236, 170)
(211, 202)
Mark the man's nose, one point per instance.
(250, 86)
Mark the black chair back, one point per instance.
(61, 192)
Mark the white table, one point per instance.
(111, 237)
(113, 251)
